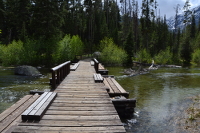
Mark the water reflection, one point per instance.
(13, 87)
(162, 95)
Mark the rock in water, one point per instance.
(27, 71)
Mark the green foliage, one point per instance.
(111, 54)
(11, 54)
(186, 50)
(31, 52)
(164, 57)
(68, 48)
(63, 49)
(143, 56)
(76, 47)
(196, 56)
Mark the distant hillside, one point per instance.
(171, 20)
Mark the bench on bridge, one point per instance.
(115, 89)
(74, 67)
(98, 78)
(99, 68)
(39, 107)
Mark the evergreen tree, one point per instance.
(2, 21)
(193, 26)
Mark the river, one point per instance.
(162, 95)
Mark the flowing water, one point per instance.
(161, 95)
(13, 87)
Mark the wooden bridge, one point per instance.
(80, 105)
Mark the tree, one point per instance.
(193, 26)
(2, 20)
(187, 13)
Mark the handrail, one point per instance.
(59, 73)
(96, 65)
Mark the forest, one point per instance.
(47, 32)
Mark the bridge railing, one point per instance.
(96, 65)
(59, 73)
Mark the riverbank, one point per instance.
(191, 117)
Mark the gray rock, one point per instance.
(97, 54)
(27, 71)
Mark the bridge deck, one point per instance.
(81, 106)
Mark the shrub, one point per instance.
(68, 48)
(31, 55)
(12, 54)
(63, 50)
(76, 47)
(196, 56)
(143, 56)
(164, 57)
(111, 54)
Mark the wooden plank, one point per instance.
(10, 110)
(59, 123)
(81, 101)
(82, 108)
(33, 105)
(78, 118)
(118, 86)
(36, 108)
(42, 110)
(84, 113)
(74, 67)
(55, 104)
(108, 85)
(84, 95)
(112, 129)
(113, 86)
(14, 115)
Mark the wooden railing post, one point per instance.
(53, 79)
(59, 73)
(96, 65)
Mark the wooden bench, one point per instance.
(39, 107)
(98, 78)
(92, 63)
(99, 68)
(74, 67)
(115, 89)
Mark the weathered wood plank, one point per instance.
(74, 67)
(80, 101)
(82, 108)
(8, 111)
(39, 105)
(113, 86)
(35, 104)
(79, 117)
(118, 86)
(31, 129)
(55, 104)
(52, 123)
(14, 115)
(108, 85)
(42, 110)
(84, 113)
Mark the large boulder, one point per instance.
(27, 71)
(96, 54)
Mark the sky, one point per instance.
(167, 6)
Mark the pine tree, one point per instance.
(193, 26)
(2, 21)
